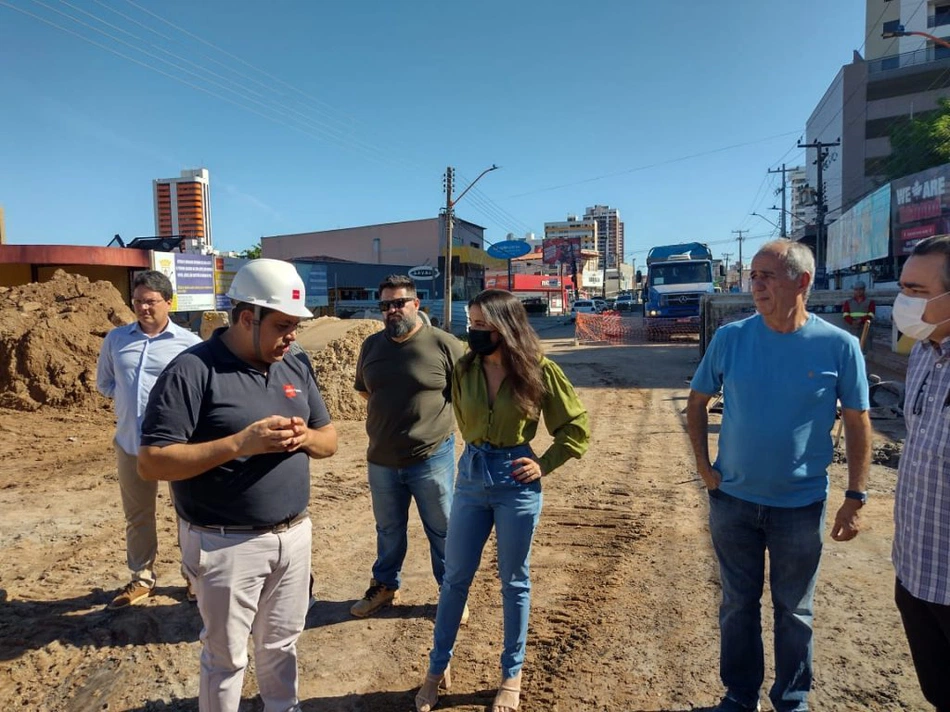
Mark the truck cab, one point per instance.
(677, 278)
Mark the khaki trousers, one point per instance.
(248, 584)
(138, 504)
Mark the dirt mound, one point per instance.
(50, 335)
(335, 368)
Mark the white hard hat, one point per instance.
(273, 284)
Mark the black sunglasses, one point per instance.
(385, 304)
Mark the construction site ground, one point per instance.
(625, 592)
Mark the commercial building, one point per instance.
(872, 100)
(24, 264)
(610, 241)
(410, 243)
(183, 209)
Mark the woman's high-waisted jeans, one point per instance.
(486, 495)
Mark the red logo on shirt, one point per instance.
(295, 294)
(290, 391)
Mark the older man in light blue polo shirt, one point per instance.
(130, 361)
(782, 372)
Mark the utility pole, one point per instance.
(725, 259)
(741, 239)
(449, 225)
(820, 208)
(603, 290)
(783, 170)
(449, 220)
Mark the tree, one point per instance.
(252, 253)
(920, 143)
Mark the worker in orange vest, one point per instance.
(858, 311)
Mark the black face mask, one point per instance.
(479, 341)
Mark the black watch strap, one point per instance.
(861, 497)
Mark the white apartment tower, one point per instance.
(609, 234)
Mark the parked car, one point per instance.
(583, 306)
(535, 306)
(624, 302)
(599, 304)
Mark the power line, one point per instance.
(280, 109)
(655, 165)
(270, 117)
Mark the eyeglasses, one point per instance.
(386, 304)
(146, 302)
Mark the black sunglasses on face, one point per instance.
(385, 304)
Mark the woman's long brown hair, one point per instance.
(521, 349)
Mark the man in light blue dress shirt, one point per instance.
(130, 361)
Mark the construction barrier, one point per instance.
(612, 328)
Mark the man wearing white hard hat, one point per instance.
(233, 424)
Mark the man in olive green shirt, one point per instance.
(405, 373)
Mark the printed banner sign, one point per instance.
(863, 233)
(192, 278)
(920, 207)
(561, 250)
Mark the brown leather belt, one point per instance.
(283, 526)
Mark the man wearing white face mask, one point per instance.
(921, 551)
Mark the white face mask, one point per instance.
(908, 315)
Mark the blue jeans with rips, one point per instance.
(393, 488)
(741, 534)
(487, 496)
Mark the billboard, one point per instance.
(224, 270)
(192, 278)
(561, 250)
(920, 206)
(314, 278)
(862, 234)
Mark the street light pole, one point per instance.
(767, 220)
(449, 225)
(901, 32)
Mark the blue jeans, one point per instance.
(392, 488)
(741, 534)
(486, 495)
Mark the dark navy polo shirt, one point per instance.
(207, 393)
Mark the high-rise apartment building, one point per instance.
(183, 207)
(802, 204)
(609, 234)
(585, 230)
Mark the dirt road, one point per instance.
(625, 584)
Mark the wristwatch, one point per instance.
(861, 497)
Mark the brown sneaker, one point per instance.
(134, 592)
(377, 596)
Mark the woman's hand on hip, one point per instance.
(526, 470)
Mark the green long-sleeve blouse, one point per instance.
(504, 425)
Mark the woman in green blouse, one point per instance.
(499, 390)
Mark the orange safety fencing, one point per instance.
(612, 328)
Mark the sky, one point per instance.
(314, 115)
